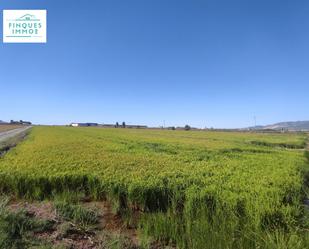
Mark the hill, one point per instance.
(291, 126)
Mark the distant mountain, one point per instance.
(1, 122)
(291, 126)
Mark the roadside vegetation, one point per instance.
(7, 144)
(51, 225)
(189, 189)
(7, 127)
(17, 228)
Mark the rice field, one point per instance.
(194, 189)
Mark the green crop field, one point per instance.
(195, 189)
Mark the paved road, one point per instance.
(12, 133)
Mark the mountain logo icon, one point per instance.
(27, 17)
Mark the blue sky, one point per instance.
(206, 63)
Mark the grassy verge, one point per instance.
(77, 214)
(17, 229)
(12, 142)
(7, 127)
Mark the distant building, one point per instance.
(186, 128)
(108, 125)
(137, 126)
(123, 125)
(91, 124)
(83, 124)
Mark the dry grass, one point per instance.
(7, 127)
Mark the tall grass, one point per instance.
(17, 227)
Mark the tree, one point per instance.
(187, 127)
(123, 125)
(117, 125)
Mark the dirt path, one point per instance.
(12, 133)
